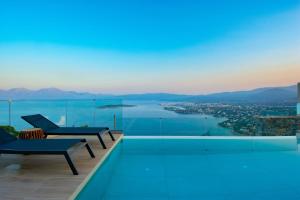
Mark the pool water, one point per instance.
(194, 169)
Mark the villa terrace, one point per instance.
(48, 177)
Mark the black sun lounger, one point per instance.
(11, 145)
(50, 128)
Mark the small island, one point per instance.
(115, 106)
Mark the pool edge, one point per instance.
(90, 175)
(209, 137)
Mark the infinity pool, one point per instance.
(198, 168)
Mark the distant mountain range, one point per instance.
(261, 95)
(46, 93)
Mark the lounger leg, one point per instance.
(111, 135)
(89, 150)
(74, 170)
(101, 141)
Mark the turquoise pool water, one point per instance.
(194, 169)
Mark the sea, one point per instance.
(145, 118)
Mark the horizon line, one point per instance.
(148, 93)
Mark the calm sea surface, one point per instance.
(144, 118)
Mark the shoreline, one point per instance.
(240, 119)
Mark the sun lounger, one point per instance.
(11, 145)
(50, 128)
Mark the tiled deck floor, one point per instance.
(47, 177)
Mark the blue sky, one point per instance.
(149, 46)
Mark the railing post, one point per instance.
(298, 113)
(298, 99)
(9, 111)
(66, 113)
(94, 114)
(115, 122)
(160, 125)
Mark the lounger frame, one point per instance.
(50, 128)
(6, 149)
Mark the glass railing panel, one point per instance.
(109, 113)
(160, 118)
(77, 113)
(153, 118)
(277, 125)
(193, 125)
(4, 113)
(55, 110)
(142, 126)
(80, 113)
(181, 126)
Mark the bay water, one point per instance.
(145, 118)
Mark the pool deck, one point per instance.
(48, 177)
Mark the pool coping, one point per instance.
(90, 175)
(210, 137)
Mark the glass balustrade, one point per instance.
(152, 118)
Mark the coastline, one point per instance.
(241, 119)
